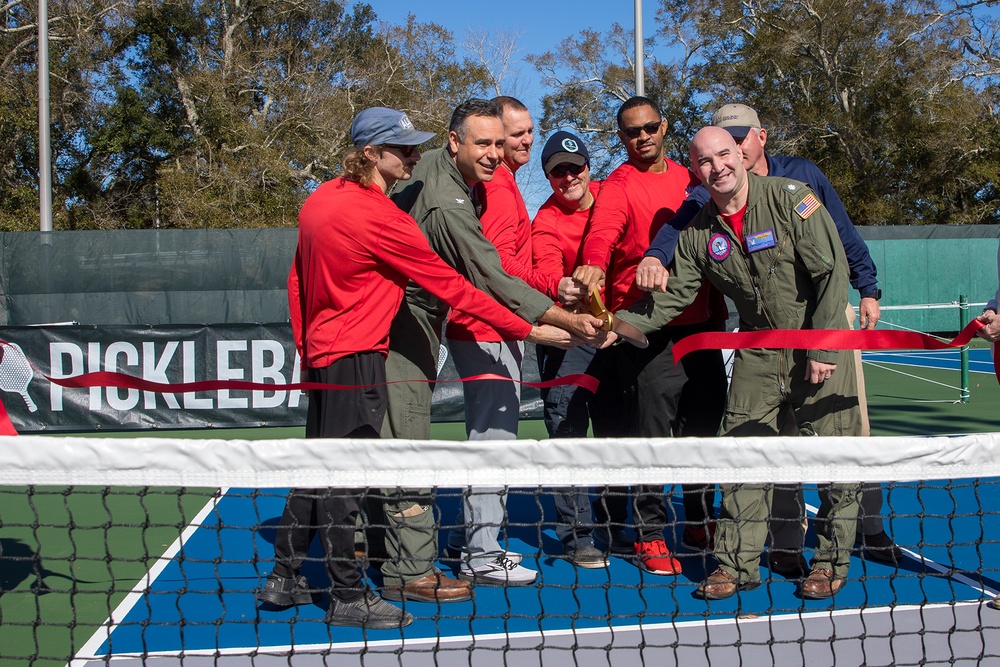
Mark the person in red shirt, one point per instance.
(636, 200)
(355, 254)
(556, 240)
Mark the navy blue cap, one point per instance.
(378, 126)
(563, 147)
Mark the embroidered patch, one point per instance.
(570, 145)
(760, 241)
(807, 206)
(719, 247)
(792, 187)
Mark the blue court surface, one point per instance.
(980, 360)
(198, 607)
(202, 602)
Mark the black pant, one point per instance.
(332, 513)
(643, 393)
(565, 409)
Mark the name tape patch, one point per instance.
(760, 241)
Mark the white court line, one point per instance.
(934, 565)
(103, 633)
(915, 377)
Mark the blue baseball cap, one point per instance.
(378, 126)
(563, 147)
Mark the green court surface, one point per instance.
(52, 598)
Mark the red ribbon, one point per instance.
(108, 379)
(6, 426)
(825, 339)
(774, 339)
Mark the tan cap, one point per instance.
(738, 119)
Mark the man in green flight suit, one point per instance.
(771, 247)
(446, 200)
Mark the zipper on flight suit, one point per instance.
(762, 307)
(770, 271)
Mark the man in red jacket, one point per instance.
(355, 254)
(688, 399)
(556, 240)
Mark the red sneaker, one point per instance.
(655, 558)
(699, 537)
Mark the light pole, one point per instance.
(44, 148)
(640, 82)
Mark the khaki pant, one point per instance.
(766, 384)
(409, 530)
(788, 506)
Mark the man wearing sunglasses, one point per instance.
(742, 122)
(684, 400)
(556, 238)
(446, 197)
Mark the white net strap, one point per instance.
(46, 460)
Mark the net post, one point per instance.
(963, 320)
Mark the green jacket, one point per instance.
(439, 200)
(799, 282)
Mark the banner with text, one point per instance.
(172, 354)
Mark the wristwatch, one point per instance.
(877, 295)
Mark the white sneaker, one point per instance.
(501, 571)
(463, 555)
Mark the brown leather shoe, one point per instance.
(821, 584)
(435, 587)
(721, 585)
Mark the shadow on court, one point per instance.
(19, 563)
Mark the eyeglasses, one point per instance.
(406, 151)
(561, 170)
(649, 128)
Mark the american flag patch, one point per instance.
(807, 206)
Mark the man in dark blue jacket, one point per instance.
(743, 123)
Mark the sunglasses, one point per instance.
(649, 128)
(561, 170)
(406, 151)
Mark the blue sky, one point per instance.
(541, 24)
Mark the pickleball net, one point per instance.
(150, 550)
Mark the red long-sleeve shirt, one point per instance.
(557, 236)
(355, 254)
(631, 208)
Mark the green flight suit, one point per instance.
(439, 200)
(796, 277)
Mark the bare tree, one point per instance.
(496, 52)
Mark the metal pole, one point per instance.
(963, 320)
(44, 144)
(640, 73)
